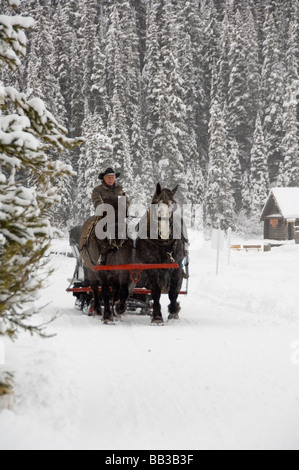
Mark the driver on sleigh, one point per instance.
(108, 191)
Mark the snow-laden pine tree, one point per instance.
(236, 171)
(165, 108)
(240, 125)
(63, 41)
(42, 81)
(27, 184)
(292, 54)
(131, 70)
(118, 133)
(226, 34)
(190, 99)
(259, 174)
(96, 155)
(151, 78)
(90, 47)
(147, 175)
(191, 37)
(246, 194)
(163, 145)
(289, 170)
(114, 66)
(273, 76)
(161, 52)
(175, 103)
(196, 183)
(259, 13)
(118, 129)
(294, 30)
(77, 97)
(133, 95)
(211, 45)
(253, 72)
(99, 86)
(92, 52)
(139, 199)
(140, 8)
(219, 204)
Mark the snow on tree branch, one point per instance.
(13, 39)
(29, 183)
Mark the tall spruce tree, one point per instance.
(175, 101)
(151, 63)
(236, 171)
(240, 126)
(63, 39)
(259, 174)
(219, 198)
(27, 185)
(42, 81)
(191, 37)
(253, 72)
(118, 133)
(151, 79)
(95, 156)
(90, 48)
(272, 95)
(132, 72)
(289, 170)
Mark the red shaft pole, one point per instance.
(136, 267)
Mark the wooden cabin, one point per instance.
(281, 215)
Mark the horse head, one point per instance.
(164, 196)
(166, 205)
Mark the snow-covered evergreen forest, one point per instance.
(200, 92)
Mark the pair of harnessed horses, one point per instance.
(117, 284)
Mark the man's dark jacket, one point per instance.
(105, 194)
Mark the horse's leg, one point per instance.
(95, 289)
(121, 305)
(156, 294)
(174, 306)
(108, 315)
(115, 295)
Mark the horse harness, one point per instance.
(113, 244)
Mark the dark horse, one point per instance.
(96, 251)
(164, 249)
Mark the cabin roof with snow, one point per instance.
(282, 203)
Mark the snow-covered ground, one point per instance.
(226, 376)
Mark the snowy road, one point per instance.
(224, 377)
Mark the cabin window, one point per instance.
(274, 223)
